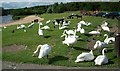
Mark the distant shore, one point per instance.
(25, 20)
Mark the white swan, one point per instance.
(47, 22)
(40, 23)
(45, 49)
(85, 56)
(4, 27)
(99, 45)
(40, 32)
(29, 26)
(21, 26)
(108, 40)
(95, 32)
(101, 59)
(68, 32)
(62, 27)
(105, 27)
(69, 40)
(45, 27)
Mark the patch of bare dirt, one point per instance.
(91, 44)
(27, 19)
(14, 48)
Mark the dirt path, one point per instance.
(13, 65)
(27, 19)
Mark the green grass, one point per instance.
(61, 54)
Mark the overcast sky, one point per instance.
(10, 4)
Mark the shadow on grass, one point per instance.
(82, 49)
(57, 58)
(50, 30)
(47, 36)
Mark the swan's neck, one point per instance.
(91, 52)
(106, 37)
(39, 26)
(103, 52)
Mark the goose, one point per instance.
(85, 56)
(45, 27)
(44, 50)
(101, 59)
(105, 27)
(99, 45)
(40, 32)
(108, 40)
(47, 22)
(95, 32)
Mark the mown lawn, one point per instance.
(61, 55)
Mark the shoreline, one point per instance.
(25, 20)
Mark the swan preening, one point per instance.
(68, 32)
(43, 50)
(101, 59)
(99, 45)
(108, 40)
(69, 40)
(85, 56)
(105, 27)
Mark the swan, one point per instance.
(70, 39)
(29, 26)
(44, 50)
(40, 32)
(95, 32)
(85, 56)
(107, 40)
(101, 59)
(45, 27)
(47, 22)
(105, 27)
(21, 26)
(68, 32)
(40, 23)
(4, 27)
(83, 22)
(81, 30)
(62, 27)
(100, 44)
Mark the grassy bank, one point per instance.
(61, 54)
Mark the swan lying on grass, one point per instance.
(101, 59)
(85, 56)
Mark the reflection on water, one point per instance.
(5, 19)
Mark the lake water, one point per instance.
(6, 19)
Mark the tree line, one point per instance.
(62, 7)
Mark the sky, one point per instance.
(13, 4)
